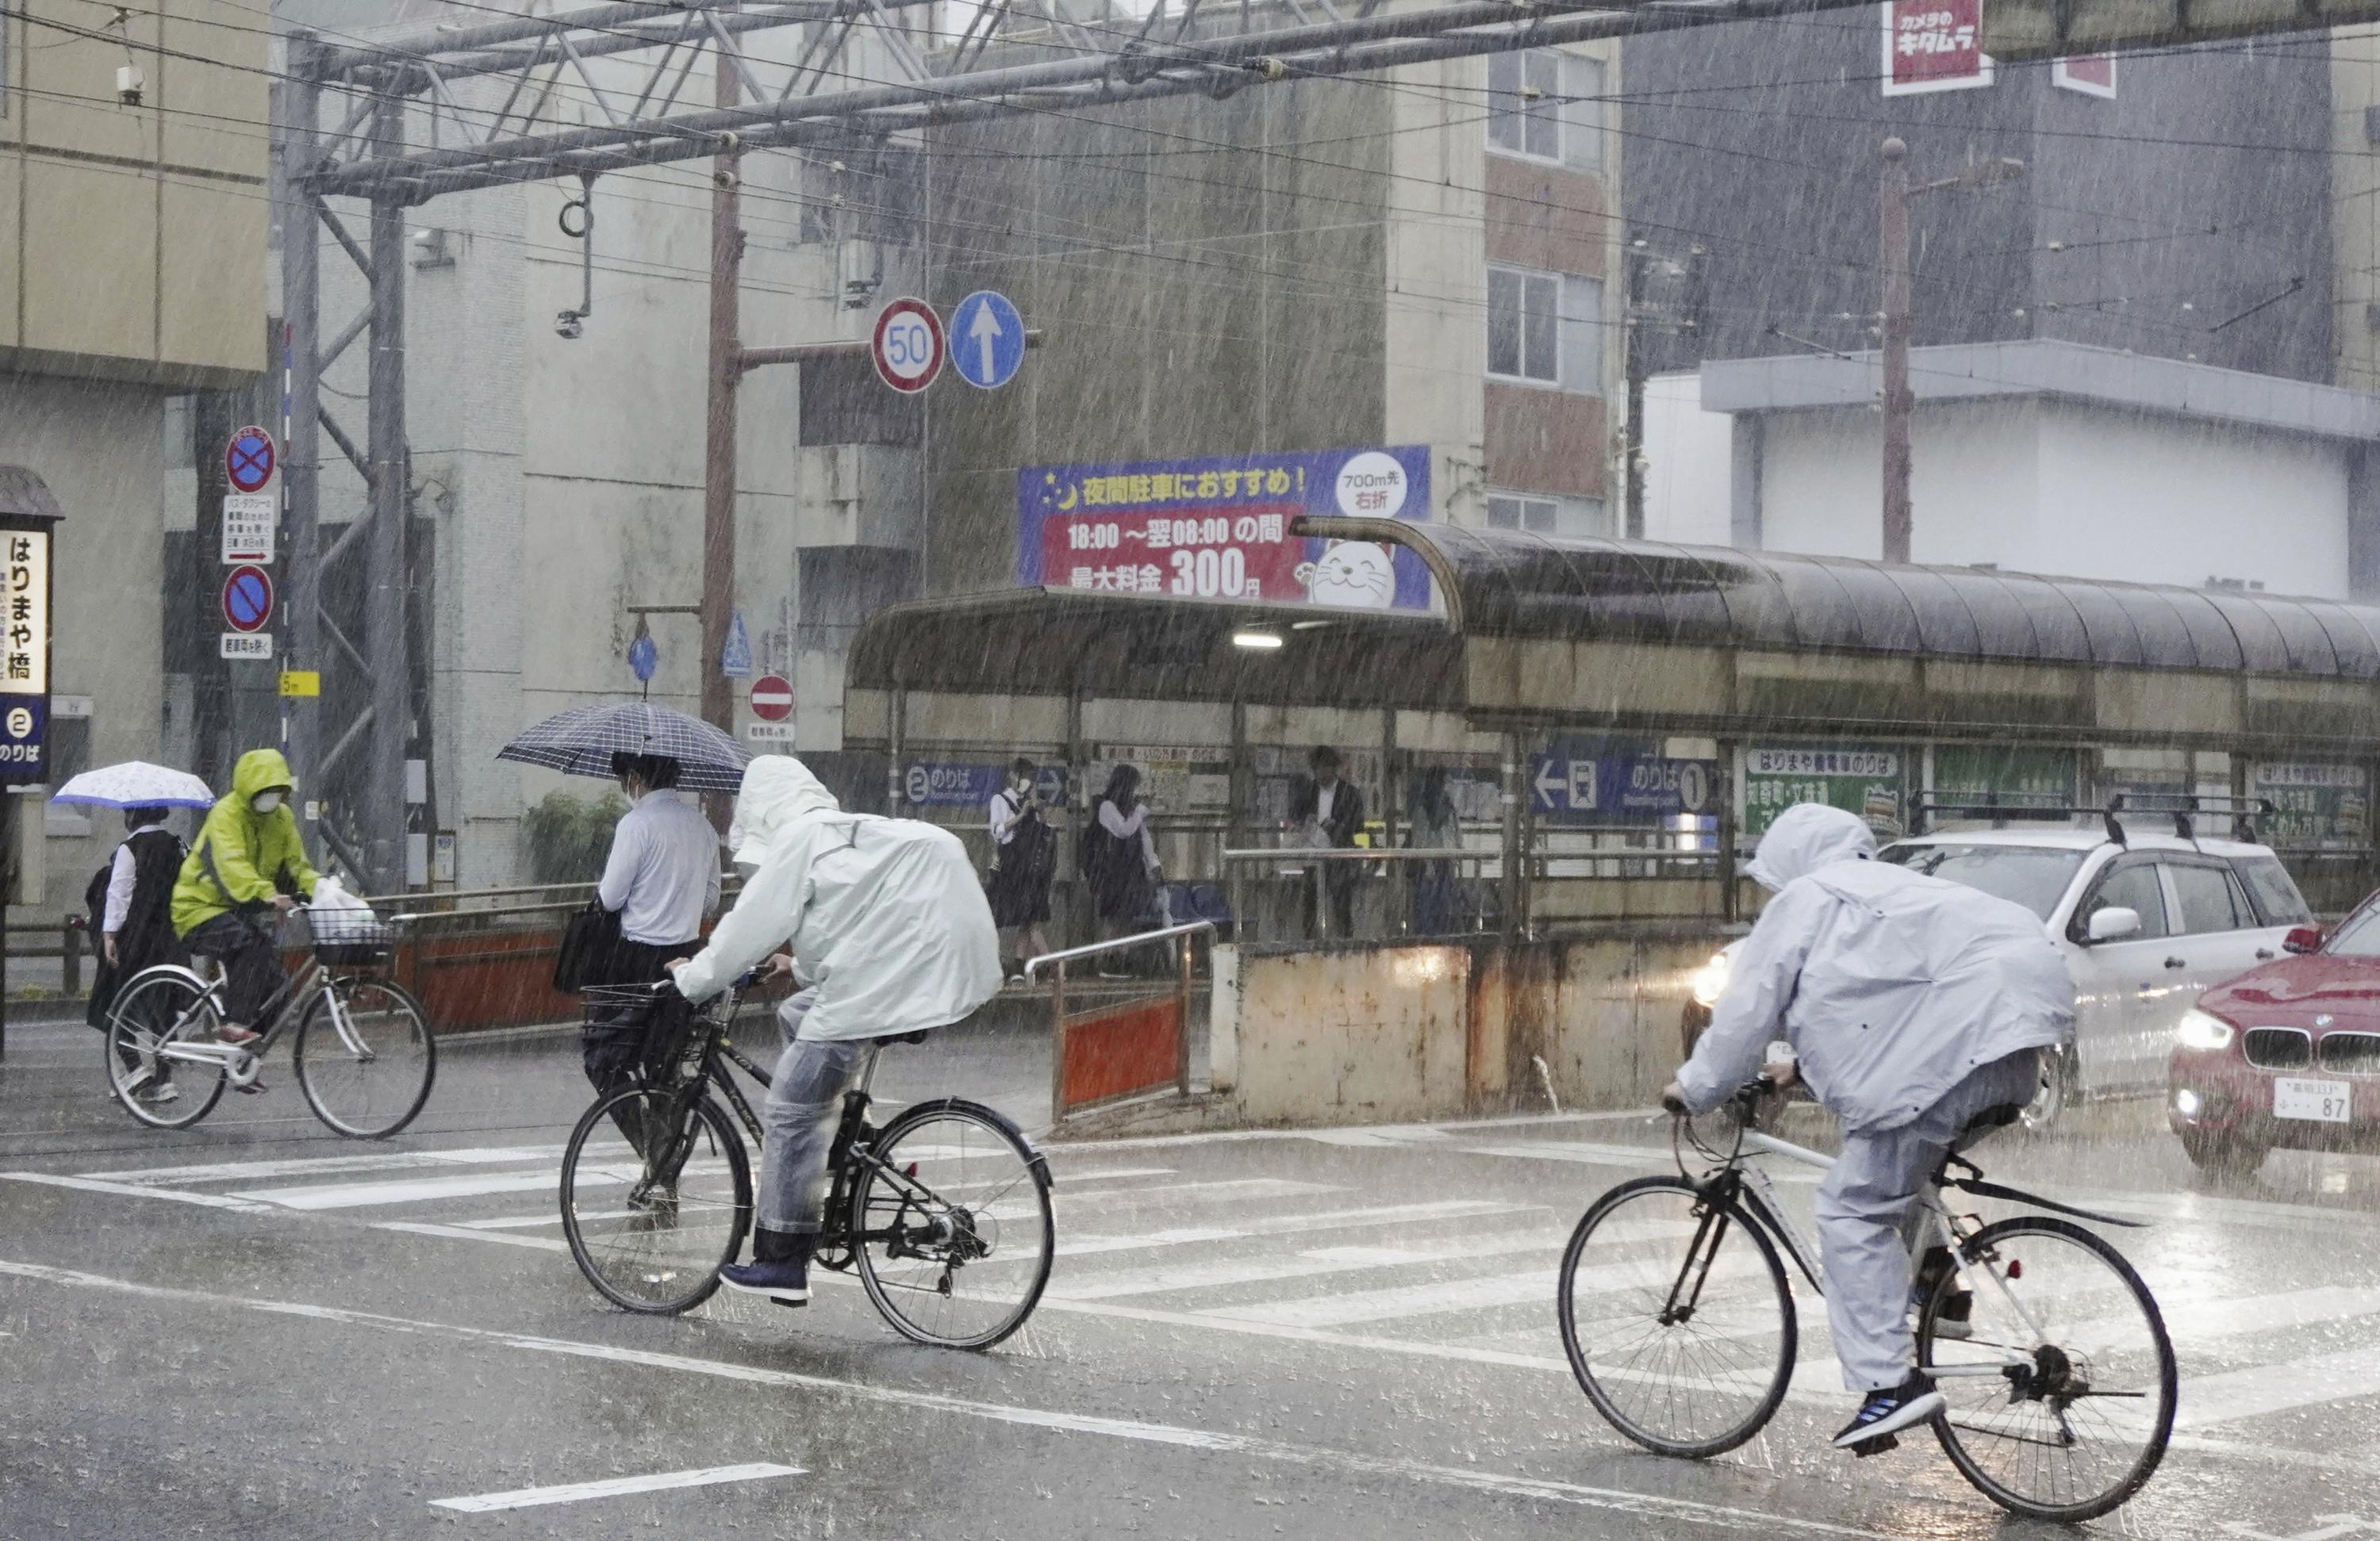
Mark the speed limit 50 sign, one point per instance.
(908, 345)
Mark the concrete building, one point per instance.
(132, 269)
(2035, 456)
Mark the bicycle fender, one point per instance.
(1039, 1162)
(1994, 1190)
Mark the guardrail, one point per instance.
(1308, 864)
(1118, 1048)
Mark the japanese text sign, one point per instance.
(1934, 45)
(25, 663)
(1218, 529)
(1870, 781)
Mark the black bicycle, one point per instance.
(2053, 1356)
(364, 1052)
(944, 1213)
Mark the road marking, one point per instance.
(1596, 1154)
(391, 1161)
(96, 1185)
(1237, 1136)
(612, 1488)
(1164, 1278)
(2252, 1394)
(420, 1228)
(352, 1195)
(1236, 1188)
(1327, 1219)
(1248, 1447)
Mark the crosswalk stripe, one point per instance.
(424, 1229)
(351, 1195)
(1273, 1225)
(2266, 1388)
(1322, 1261)
(1237, 1189)
(576, 1492)
(97, 1185)
(390, 1160)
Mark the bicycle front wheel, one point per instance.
(2061, 1382)
(364, 1058)
(154, 1021)
(953, 1229)
(1677, 1317)
(651, 1222)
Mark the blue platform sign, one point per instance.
(1578, 786)
(929, 784)
(987, 340)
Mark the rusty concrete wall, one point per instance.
(1408, 1032)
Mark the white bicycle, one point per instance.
(2052, 1354)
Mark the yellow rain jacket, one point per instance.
(243, 858)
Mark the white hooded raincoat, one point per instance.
(1891, 986)
(884, 916)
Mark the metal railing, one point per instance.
(1308, 863)
(1057, 963)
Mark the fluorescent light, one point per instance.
(1255, 639)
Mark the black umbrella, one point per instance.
(581, 742)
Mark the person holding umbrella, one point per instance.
(130, 900)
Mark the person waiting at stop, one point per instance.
(247, 859)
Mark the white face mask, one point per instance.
(266, 802)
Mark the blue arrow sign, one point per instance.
(987, 340)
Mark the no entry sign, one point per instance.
(772, 698)
(908, 347)
(248, 599)
(248, 459)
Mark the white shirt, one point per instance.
(1323, 797)
(1123, 828)
(120, 883)
(1007, 807)
(663, 876)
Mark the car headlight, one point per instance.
(1711, 981)
(2199, 1030)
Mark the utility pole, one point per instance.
(1632, 451)
(1892, 227)
(718, 435)
(1892, 260)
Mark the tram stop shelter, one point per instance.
(1616, 722)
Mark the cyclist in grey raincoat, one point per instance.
(1912, 1005)
(888, 933)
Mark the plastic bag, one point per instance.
(332, 894)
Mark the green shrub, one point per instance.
(569, 837)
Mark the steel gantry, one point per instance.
(452, 108)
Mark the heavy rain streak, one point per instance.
(1200, 769)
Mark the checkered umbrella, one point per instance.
(581, 742)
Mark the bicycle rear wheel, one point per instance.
(365, 1058)
(953, 1231)
(156, 1014)
(651, 1222)
(2066, 1422)
(1677, 1317)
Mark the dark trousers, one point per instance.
(1337, 881)
(611, 1057)
(251, 967)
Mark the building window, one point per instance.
(1546, 328)
(1546, 105)
(1564, 518)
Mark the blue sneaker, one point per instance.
(1887, 1411)
(779, 1268)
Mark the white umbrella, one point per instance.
(136, 783)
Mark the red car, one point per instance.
(2286, 1056)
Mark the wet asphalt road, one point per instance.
(225, 1338)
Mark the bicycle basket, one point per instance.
(350, 939)
(631, 1029)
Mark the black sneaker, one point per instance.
(1887, 1411)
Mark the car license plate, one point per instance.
(2319, 1101)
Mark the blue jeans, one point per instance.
(798, 1120)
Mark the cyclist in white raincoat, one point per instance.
(1912, 1005)
(889, 933)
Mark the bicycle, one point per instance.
(2053, 1354)
(362, 1050)
(958, 1259)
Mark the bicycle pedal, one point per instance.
(1877, 1446)
(789, 1305)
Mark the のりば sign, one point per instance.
(1934, 45)
(1218, 529)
